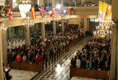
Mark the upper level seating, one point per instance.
(87, 3)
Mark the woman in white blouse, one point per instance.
(78, 63)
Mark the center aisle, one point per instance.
(64, 61)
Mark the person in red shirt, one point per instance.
(18, 58)
(39, 58)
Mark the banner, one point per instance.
(33, 12)
(103, 7)
(60, 11)
(55, 12)
(64, 11)
(68, 10)
(71, 11)
(50, 11)
(109, 13)
(42, 11)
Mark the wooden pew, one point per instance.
(26, 66)
(96, 74)
(14, 65)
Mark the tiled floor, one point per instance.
(80, 78)
(21, 74)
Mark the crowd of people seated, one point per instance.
(96, 54)
(42, 49)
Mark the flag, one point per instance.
(71, 11)
(50, 11)
(55, 12)
(68, 10)
(109, 13)
(42, 11)
(10, 16)
(60, 11)
(103, 7)
(10, 12)
(46, 8)
(64, 11)
(33, 12)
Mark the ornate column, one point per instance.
(114, 43)
(85, 25)
(53, 3)
(114, 47)
(79, 24)
(54, 27)
(4, 10)
(82, 1)
(41, 2)
(4, 49)
(43, 30)
(62, 25)
(62, 3)
(27, 36)
(1, 56)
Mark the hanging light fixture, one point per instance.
(3, 28)
(28, 22)
(24, 7)
(45, 20)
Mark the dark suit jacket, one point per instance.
(13, 57)
(29, 58)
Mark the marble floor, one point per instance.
(80, 78)
(21, 74)
(50, 73)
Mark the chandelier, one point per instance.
(104, 29)
(58, 18)
(66, 17)
(24, 7)
(28, 22)
(45, 20)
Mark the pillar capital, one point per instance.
(54, 20)
(42, 22)
(115, 25)
(3, 30)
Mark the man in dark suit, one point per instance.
(13, 57)
(29, 57)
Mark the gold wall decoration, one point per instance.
(4, 10)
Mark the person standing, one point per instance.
(78, 63)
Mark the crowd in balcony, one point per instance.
(96, 54)
(42, 50)
(87, 3)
